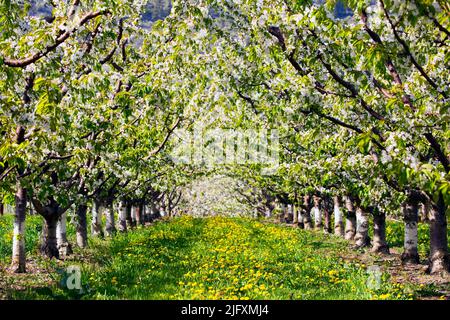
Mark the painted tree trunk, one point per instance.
(282, 214)
(133, 216)
(267, 213)
(300, 215)
(128, 216)
(338, 220)
(379, 233)
(18, 264)
(439, 260)
(162, 212)
(317, 214)
(410, 217)
(289, 213)
(64, 246)
(81, 226)
(96, 226)
(122, 217)
(110, 227)
(327, 220)
(139, 215)
(306, 213)
(362, 238)
(294, 215)
(350, 220)
(148, 212)
(49, 244)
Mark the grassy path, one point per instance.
(215, 258)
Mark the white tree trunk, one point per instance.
(350, 219)
(338, 219)
(64, 247)
(410, 218)
(18, 248)
(110, 227)
(317, 218)
(122, 217)
(362, 228)
(148, 212)
(133, 215)
(295, 215)
(96, 225)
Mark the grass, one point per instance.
(215, 258)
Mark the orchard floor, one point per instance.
(222, 258)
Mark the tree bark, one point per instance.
(139, 215)
(379, 233)
(128, 216)
(410, 217)
(338, 221)
(64, 247)
(110, 227)
(18, 264)
(49, 244)
(424, 212)
(96, 226)
(301, 222)
(362, 238)
(81, 226)
(439, 260)
(306, 212)
(2, 209)
(133, 216)
(122, 217)
(327, 215)
(317, 213)
(350, 220)
(148, 212)
(295, 215)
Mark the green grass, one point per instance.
(33, 229)
(216, 258)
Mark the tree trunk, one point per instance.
(282, 214)
(96, 226)
(133, 216)
(327, 215)
(338, 221)
(362, 238)
(295, 215)
(49, 244)
(81, 226)
(110, 227)
(122, 217)
(439, 261)
(128, 216)
(306, 213)
(163, 210)
(148, 213)
(317, 214)
(379, 233)
(410, 217)
(301, 222)
(350, 220)
(2, 209)
(64, 246)
(424, 212)
(139, 213)
(18, 249)
(267, 212)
